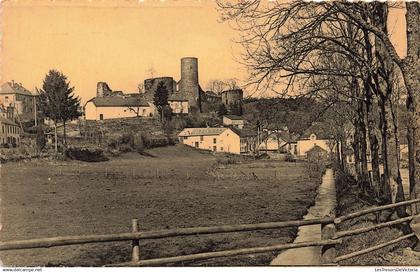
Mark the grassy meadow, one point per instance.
(172, 187)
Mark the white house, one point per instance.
(219, 139)
(100, 108)
(304, 144)
(9, 132)
(14, 95)
(233, 120)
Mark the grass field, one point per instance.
(174, 187)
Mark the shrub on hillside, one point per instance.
(289, 158)
(41, 140)
(84, 154)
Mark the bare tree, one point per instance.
(283, 43)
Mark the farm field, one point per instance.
(173, 187)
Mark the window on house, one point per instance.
(221, 148)
(214, 140)
(201, 138)
(196, 144)
(214, 148)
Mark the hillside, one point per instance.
(276, 113)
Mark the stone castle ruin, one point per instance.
(187, 88)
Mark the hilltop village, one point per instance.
(220, 122)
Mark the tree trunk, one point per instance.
(64, 134)
(362, 146)
(55, 138)
(343, 156)
(393, 182)
(410, 69)
(356, 148)
(338, 155)
(373, 124)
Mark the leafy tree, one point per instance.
(161, 98)
(167, 113)
(41, 141)
(57, 101)
(221, 110)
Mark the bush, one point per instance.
(41, 141)
(127, 139)
(289, 158)
(84, 154)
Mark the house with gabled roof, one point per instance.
(109, 104)
(14, 95)
(316, 135)
(112, 107)
(233, 120)
(218, 139)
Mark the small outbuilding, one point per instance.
(233, 120)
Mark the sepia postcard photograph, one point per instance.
(209, 134)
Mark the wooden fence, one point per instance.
(330, 237)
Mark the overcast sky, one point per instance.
(119, 41)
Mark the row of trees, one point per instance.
(340, 53)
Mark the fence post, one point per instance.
(328, 252)
(135, 257)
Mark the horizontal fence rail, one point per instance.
(343, 218)
(329, 238)
(374, 227)
(141, 235)
(374, 248)
(227, 253)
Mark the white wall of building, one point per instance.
(231, 122)
(227, 141)
(9, 133)
(304, 145)
(230, 142)
(94, 113)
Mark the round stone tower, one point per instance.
(189, 86)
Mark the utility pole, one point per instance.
(35, 111)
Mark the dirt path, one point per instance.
(324, 206)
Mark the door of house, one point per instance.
(101, 116)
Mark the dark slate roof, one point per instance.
(321, 130)
(202, 131)
(233, 117)
(211, 93)
(244, 132)
(283, 135)
(7, 121)
(119, 101)
(177, 97)
(316, 148)
(9, 88)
